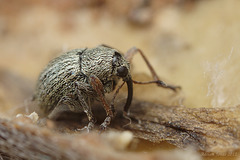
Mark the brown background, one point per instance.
(194, 44)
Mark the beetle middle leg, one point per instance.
(129, 55)
(87, 110)
(86, 106)
(98, 87)
(69, 103)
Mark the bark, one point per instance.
(214, 130)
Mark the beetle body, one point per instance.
(66, 79)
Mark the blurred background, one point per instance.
(191, 43)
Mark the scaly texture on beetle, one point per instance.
(65, 84)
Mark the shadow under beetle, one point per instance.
(72, 81)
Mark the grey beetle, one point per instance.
(72, 81)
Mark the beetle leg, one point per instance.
(86, 88)
(65, 104)
(86, 106)
(159, 83)
(115, 95)
(68, 103)
(98, 87)
(87, 110)
(129, 55)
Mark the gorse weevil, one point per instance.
(72, 81)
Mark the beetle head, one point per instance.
(121, 69)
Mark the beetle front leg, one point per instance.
(98, 87)
(129, 55)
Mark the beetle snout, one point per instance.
(129, 82)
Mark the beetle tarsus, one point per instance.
(164, 85)
(88, 128)
(105, 123)
(126, 116)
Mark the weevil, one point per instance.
(72, 81)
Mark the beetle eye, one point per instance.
(116, 58)
(122, 71)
